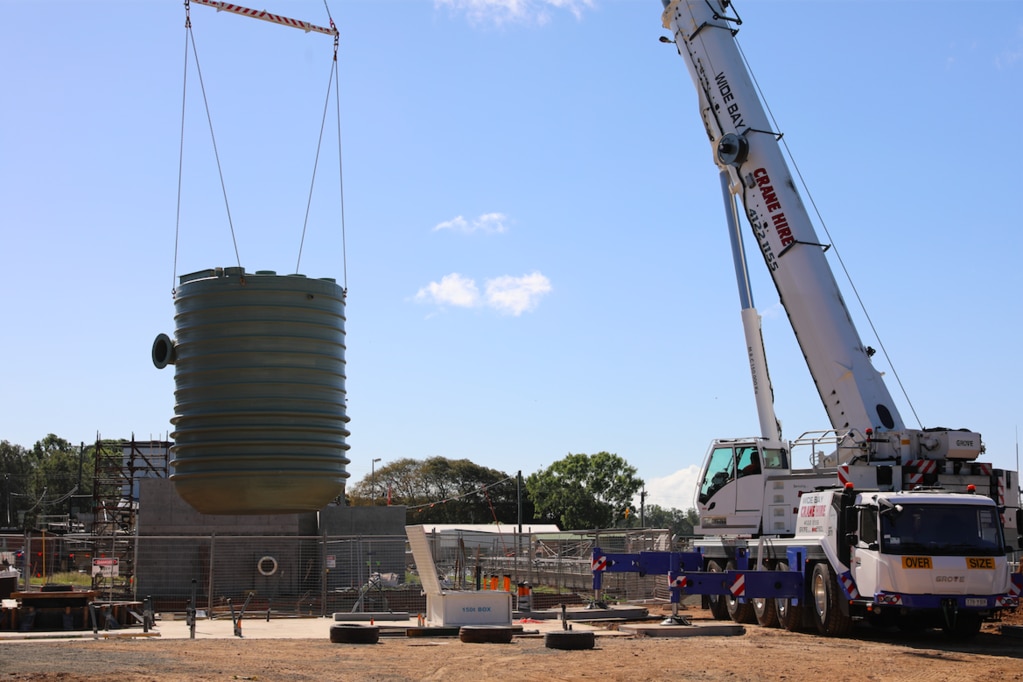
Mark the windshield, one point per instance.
(938, 530)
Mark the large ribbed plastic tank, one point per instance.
(260, 421)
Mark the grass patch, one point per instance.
(69, 578)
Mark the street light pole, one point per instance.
(373, 478)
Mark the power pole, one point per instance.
(642, 509)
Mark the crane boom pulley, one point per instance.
(267, 16)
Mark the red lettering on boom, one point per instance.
(764, 183)
(781, 223)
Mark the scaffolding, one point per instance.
(115, 502)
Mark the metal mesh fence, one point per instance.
(319, 575)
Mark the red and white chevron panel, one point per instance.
(849, 585)
(843, 475)
(923, 466)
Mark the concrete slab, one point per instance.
(611, 613)
(655, 630)
(174, 626)
(374, 616)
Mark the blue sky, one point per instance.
(536, 256)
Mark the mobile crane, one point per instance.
(885, 523)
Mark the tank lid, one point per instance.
(201, 274)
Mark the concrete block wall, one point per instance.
(163, 512)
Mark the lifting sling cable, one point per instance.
(286, 21)
(181, 159)
(333, 80)
(190, 38)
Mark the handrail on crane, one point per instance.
(267, 16)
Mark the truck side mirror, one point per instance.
(1019, 528)
(852, 539)
(852, 519)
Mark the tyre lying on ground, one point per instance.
(432, 631)
(569, 640)
(344, 633)
(485, 634)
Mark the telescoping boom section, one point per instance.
(752, 486)
(745, 146)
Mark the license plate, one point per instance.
(975, 601)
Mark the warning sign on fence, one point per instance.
(105, 566)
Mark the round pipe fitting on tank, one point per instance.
(164, 351)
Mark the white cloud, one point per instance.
(775, 311)
(516, 295)
(677, 490)
(514, 11)
(493, 223)
(453, 289)
(507, 294)
(1008, 59)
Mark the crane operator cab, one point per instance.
(730, 493)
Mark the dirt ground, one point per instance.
(759, 654)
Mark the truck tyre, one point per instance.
(739, 612)
(790, 616)
(825, 600)
(766, 611)
(718, 608)
(965, 626)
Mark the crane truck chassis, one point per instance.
(888, 527)
(865, 555)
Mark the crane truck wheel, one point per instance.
(790, 616)
(964, 626)
(824, 598)
(740, 612)
(718, 608)
(766, 611)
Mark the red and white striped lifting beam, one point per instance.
(266, 16)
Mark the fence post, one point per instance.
(209, 596)
(26, 561)
(530, 559)
(323, 575)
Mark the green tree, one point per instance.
(442, 490)
(584, 491)
(56, 469)
(41, 481)
(15, 473)
(400, 477)
(680, 523)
